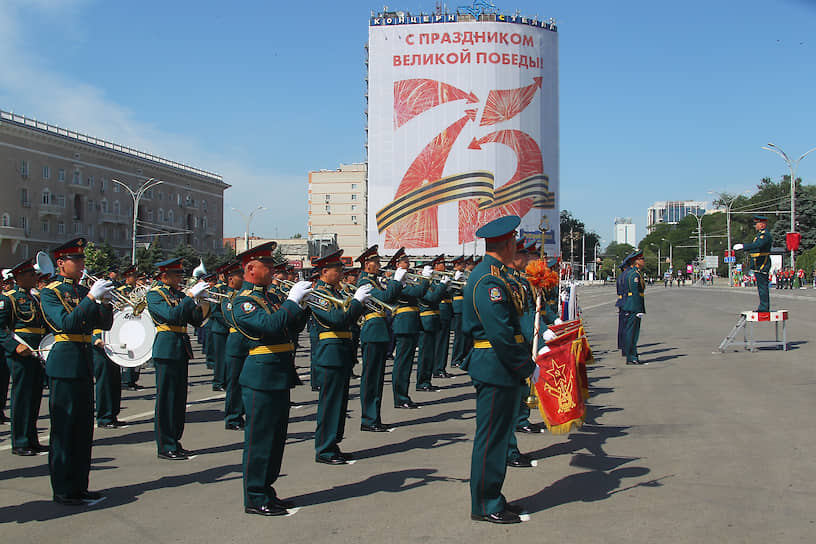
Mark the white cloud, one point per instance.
(29, 87)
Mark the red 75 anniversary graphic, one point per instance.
(411, 219)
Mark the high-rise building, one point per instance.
(59, 184)
(337, 205)
(625, 231)
(673, 211)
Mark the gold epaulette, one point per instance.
(245, 293)
(53, 284)
(495, 270)
(157, 288)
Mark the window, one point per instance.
(61, 175)
(45, 226)
(102, 184)
(149, 194)
(77, 207)
(24, 201)
(117, 188)
(178, 199)
(6, 221)
(353, 207)
(24, 168)
(195, 222)
(204, 223)
(170, 216)
(61, 227)
(24, 223)
(161, 195)
(46, 172)
(104, 205)
(117, 209)
(76, 179)
(354, 219)
(328, 209)
(77, 228)
(91, 205)
(90, 230)
(90, 182)
(61, 201)
(161, 215)
(353, 186)
(354, 197)
(150, 215)
(46, 197)
(204, 205)
(328, 198)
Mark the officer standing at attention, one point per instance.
(72, 312)
(406, 327)
(129, 375)
(634, 306)
(333, 356)
(267, 376)
(759, 252)
(20, 315)
(235, 352)
(620, 286)
(500, 358)
(375, 337)
(172, 311)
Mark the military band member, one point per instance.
(20, 315)
(235, 351)
(442, 344)
(8, 284)
(350, 277)
(72, 312)
(634, 306)
(219, 329)
(759, 251)
(406, 327)
(459, 343)
(499, 360)
(172, 311)
(334, 357)
(375, 337)
(267, 376)
(108, 376)
(130, 376)
(431, 327)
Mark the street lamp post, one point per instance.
(728, 204)
(658, 260)
(792, 165)
(248, 219)
(699, 219)
(137, 196)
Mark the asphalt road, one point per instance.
(693, 447)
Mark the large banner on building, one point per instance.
(462, 128)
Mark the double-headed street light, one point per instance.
(699, 219)
(248, 219)
(137, 196)
(792, 165)
(728, 204)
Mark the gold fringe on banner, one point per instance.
(478, 185)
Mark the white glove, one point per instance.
(299, 291)
(427, 272)
(549, 335)
(536, 374)
(399, 274)
(639, 315)
(100, 288)
(445, 280)
(544, 350)
(198, 289)
(558, 321)
(458, 275)
(738, 246)
(363, 293)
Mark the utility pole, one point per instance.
(137, 196)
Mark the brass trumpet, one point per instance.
(373, 304)
(119, 300)
(313, 299)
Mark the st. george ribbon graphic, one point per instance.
(411, 219)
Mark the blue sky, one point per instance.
(657, 100)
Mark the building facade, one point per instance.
(625, 231)
(673, 211)
(337, 205)
(59, 185)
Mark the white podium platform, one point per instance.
(746, 323)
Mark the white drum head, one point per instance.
(45, 346)
(129, 343)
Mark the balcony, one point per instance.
(12, 233)
(114, 218)
(50, 209)
(82, 185)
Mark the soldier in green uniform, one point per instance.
(406, 327)
(759, 251)
(375, 337)
(431, 327)
(219, 329)
(130, 376)
(620, 287)
(172, 311)
(350, 277)
(458, 354)
(5, 377)
(21, 329)
(235, 351)
(634, 306)
(108, 376)
(267, 375)
(72, 311)
(442, 349)
(500, 358)
(333, 356)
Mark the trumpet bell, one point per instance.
(43, 264)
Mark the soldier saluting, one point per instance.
(72, 312)
(759, 252)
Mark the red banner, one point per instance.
(559, 389)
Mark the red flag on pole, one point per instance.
(560, 398)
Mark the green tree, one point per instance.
(582, 239)
(99, 259)
(146, 258)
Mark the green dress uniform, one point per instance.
(172, 311)
(235, 353)
(72, 317)
(634, 303)
(108, 376)
(429, 318)
(217, 340)
(130, 376)
(499, 360)
(406, 327)
(759, 253)
(442, 350)
(620, 287)
(335, 359)
(20, 314)
(459, 341)
(266, 378)
(374, 336)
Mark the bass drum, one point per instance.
(129, 342)
(45, 346)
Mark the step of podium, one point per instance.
(746, 324)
